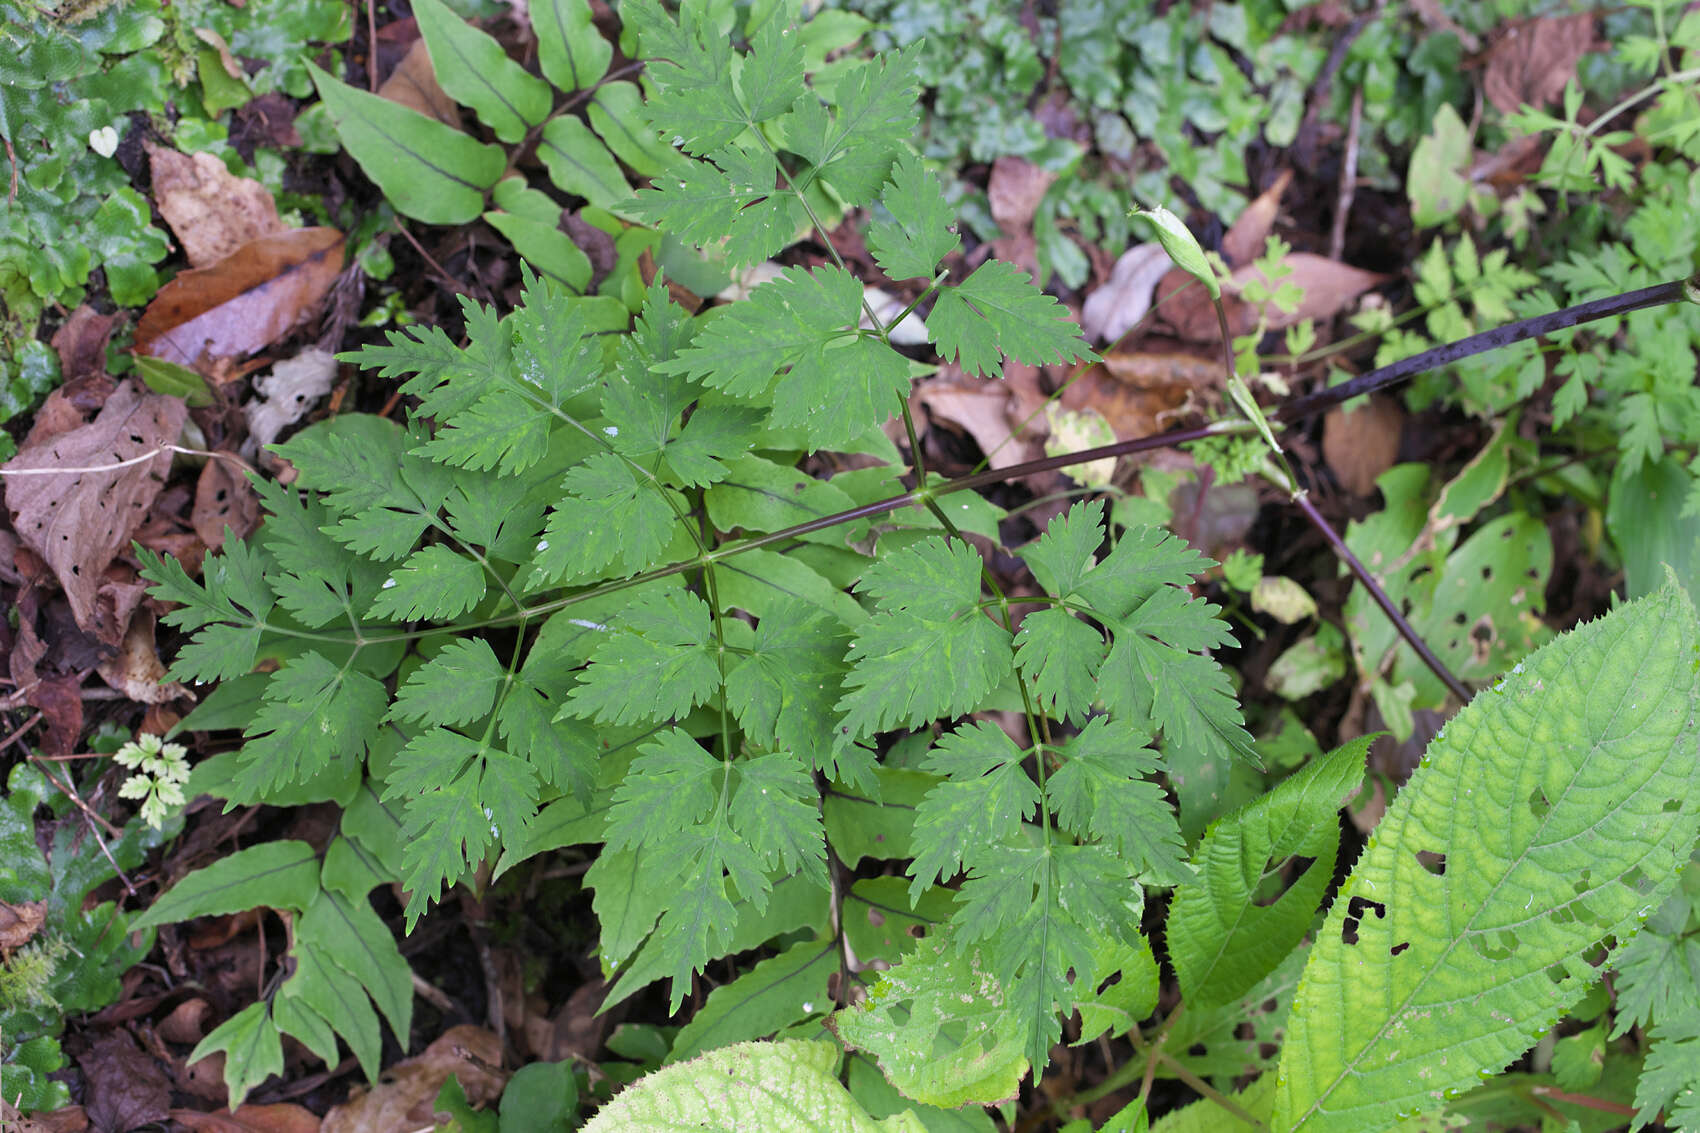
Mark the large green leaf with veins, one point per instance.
(1549, 817)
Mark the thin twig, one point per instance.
(70, 793)
(1448, 353)
(1348, 177)
(27, 725)
(1406, 630)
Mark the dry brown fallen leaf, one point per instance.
(211, 210)
(281, 1118)
(246, 301)
(1329, 286)
(404, 1099)
(1014, 191)
(1136, 398)
(19, 923)
(76, 498)
(982, 410)
(1118, 306)
(1533, 60)
(123, 1086)
(414, 84)
(223, 498)
(1243, 242)
(1359, 446)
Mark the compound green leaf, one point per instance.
(759, 495)
(783, 691)
(776, 809)
(874, 120)
(314, 714)
(920, 233)
(929, 651)
(355, 939)
(690, 64)
(275, 875)
(320, 990)
(434, 583)
(580, 164)
(783, 1087)
(570, 49)
(1101, 792)
(1060, 655)
(475, 71)
(728, 202)
(1550, 816)
(985, 796)
(608, 518)
(1667, 1084)
(656, 664)
(427, 170)
(253, 1049)
(1222, 940)
(457, 686)
(997, 312)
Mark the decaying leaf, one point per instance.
(19, 923)
(280, 1118)
(981, 409)
(1359, 446)
(77, 497)
(287, 393)
(124, 1088)
(81, 342)
(1138, 393)
(404, 1099)
(1119, 305)
(223, 499)
(1244, 242)
(137, 671)
(246, 301)
(211, 211)
(1329, 286)
(1534, 59)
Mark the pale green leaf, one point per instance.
(253, 1050)
(475, 71)
(427, 170)
(570, 49)
(784, 1087)
(580, 164)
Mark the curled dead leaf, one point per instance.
(76, 498)
(244, 302)
(211, 211)
(137, 671)
(19, 923)
(404, 1099)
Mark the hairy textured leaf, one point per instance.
(791, 1085)
(1562, 801)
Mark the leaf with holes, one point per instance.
(1550, 815)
